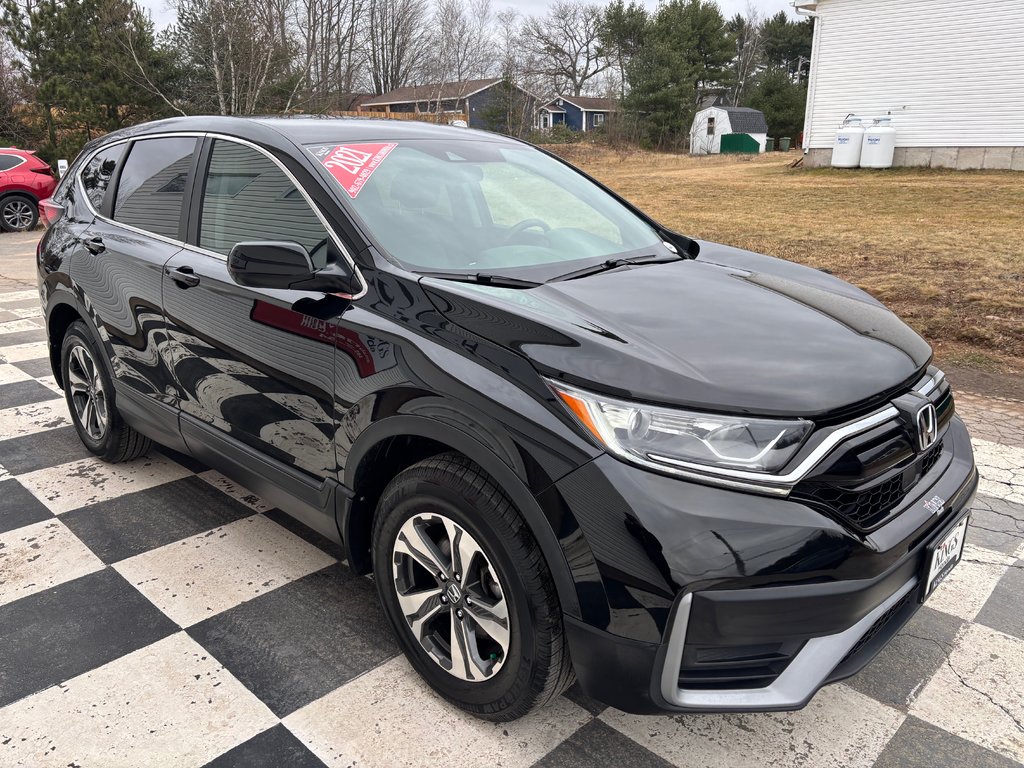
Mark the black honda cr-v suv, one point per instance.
(567, 441)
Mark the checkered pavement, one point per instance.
(154, 613)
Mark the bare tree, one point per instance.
(460, 48)
(242, 44)
(395, 41)
(513, 108)
(460, 39)
(329, 53)
(746, 31)
(567, 43)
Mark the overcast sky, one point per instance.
(163, 15)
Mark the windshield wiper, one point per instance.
(483, 278)
(608, 264)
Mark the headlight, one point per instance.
(667, 438)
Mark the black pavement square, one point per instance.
(303, 531)
(997, 524)
(274, 748)
(189, 463)
(41, 450)
(138, 522)
(301, 641)
(918, 744)
(18, 507)
(1004, 609)
(596, 745)
(52, 636)
(909, 661)
(38, 368)
(25, 393)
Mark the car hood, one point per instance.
(729, 331)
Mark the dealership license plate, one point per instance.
(944, 555)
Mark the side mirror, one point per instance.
(287, 265)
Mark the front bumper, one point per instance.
(760, 641)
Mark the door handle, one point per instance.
(184, 276)
(94, 245)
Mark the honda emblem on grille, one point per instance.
(927, 427)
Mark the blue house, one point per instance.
(578, 113)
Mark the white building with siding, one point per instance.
(949, 72)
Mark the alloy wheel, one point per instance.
(451, 597)
(17, 214)
(87, 393)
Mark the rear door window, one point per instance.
(97, 172)
(247, 197)
(152, 185)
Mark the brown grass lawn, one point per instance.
(943, 249)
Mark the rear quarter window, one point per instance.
(96, 175)
(7, 162)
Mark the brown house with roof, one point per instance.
(472, 97)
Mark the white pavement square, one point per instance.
(40, 556)
(389, 717)
(87, 481)
(198, 577)
(133, 712)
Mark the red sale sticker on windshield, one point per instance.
(352, 164)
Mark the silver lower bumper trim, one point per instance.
(805, 674)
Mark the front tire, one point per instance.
(89, 392)
(467, 590)
(18, 214)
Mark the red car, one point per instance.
(25, 181)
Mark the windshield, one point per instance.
(483, 207)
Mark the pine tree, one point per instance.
(93, 65)
(686, 51)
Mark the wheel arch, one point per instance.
(60, 317)
(19, 192)
(397, 442)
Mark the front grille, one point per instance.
(869, 507)
(930, 458)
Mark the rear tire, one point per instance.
(513, 656)
(18, 214)
(89, 392)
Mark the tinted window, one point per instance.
(97, 172)
(247, 197)
(152, 185)
(9, 161)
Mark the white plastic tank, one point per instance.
(879, 145)
(849, 140)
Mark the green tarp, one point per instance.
(739, 144)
